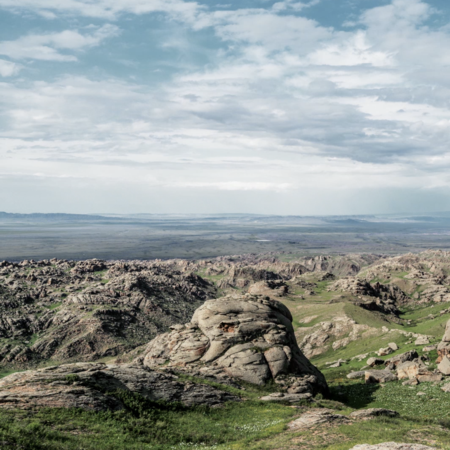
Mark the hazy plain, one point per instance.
(44, 236)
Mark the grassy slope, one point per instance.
(249, 425)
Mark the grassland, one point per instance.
(247, 425)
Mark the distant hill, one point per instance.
(50, 216)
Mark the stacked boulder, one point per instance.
(246, 338)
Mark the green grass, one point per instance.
(433, 406)
(143, 425)
(6, 372)
(99, 273)
(418, 312)
(54, 305)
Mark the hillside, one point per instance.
(344, 310)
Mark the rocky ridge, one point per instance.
(70, 311)
(65, 310)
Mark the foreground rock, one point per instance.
(248, 338)
(317, 417)
(373, 412)
(328, 417)
(97, 387)
(392, 446)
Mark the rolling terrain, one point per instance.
(345, 310)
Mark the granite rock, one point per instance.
(247, 337)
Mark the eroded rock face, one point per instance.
(248, 338)
(94, 386)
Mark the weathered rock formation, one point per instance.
(98, 387)
(374, 297)
(248, 338)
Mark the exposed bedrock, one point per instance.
(247, 337)
(99, 387)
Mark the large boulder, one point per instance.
(411, 369)
(100, 387)
(444, 346)
(444, 366)
(248, 338)
(379, 376)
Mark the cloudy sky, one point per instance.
(172, 106)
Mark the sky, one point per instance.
(254, 106)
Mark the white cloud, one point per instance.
(105, 9)
(286, 106)
(264, 27)
(355, 51)
(8, 68)
(47, 47)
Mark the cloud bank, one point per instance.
(283, 115)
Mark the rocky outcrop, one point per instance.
(271, 288)
(248, 338)
(100, 387)
(422, 276)
(65, 310)
(335, 334)
(374, 297)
